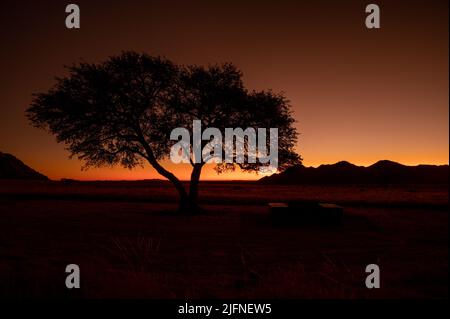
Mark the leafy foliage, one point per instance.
(121, 111)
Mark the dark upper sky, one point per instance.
(358, 95)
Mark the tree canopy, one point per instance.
(122, 111)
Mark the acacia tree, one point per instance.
(122, 111)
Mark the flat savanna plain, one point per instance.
(129, 243)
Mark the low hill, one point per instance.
(13, 168)
(382, 172)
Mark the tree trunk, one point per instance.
(185, 205)
(193, 188)
(184, 197)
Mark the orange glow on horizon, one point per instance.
(72, 170)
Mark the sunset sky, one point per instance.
(358, 95)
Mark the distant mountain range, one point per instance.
(13, 168)
(382, 172)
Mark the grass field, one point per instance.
(128, 243)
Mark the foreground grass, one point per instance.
(137, 248)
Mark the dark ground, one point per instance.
(128, 243)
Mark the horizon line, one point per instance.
(237, 180)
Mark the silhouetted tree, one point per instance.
(123, 110)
